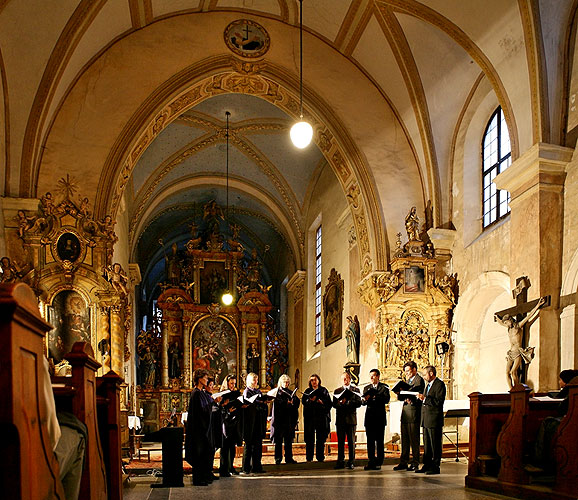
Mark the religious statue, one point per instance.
(117, 278)
(24, 222)
(172, 265)
(517, 352)
(253, 358)
(47, 205)
(447, 286)
(174, 356)
(10, 274)
(352, 335)
(412, 225)
(149, 368)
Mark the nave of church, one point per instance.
(147, 171)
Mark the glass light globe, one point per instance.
(227, 299)
(301, 134)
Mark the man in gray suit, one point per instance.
(411, 420)
(432, 420)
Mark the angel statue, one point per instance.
(117, 277)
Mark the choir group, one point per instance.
(231, 418)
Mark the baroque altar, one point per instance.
(193, 329)
(413, 303)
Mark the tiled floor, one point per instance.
(320, 482)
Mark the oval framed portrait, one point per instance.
(247, 38)
(68, 247)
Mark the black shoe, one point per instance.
(213, 477)
(370, 467)
(322, 459)
(423, 470)
(350, 466)
(234, 471)
(224, 474)
(339, 465)
(411, 468)
(377, 467)
(259, 470)
(200, 483)
(277, 461)
(402, 467)
(435, 470)
(290, 461)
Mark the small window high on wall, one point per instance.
(318, 285)
(497, 157)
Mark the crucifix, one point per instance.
(518, 320)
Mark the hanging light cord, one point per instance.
(301, 58)
(227, 163)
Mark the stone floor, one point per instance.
(319, 482)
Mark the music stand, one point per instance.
(457, 413)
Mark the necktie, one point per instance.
(427, 390)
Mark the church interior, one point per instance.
(147, 168)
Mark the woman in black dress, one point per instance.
(199, 439)
(284, 420)
(231, 428)
(316, 416)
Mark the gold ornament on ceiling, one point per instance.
(247, 38)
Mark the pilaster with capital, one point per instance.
(535, 182)
(104, 327)
(117, 338)
(263, 358)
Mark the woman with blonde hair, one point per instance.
(284, 420)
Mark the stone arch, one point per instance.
(261, 80)
(478, 338)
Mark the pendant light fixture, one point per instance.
(227, 297)
(301, 133)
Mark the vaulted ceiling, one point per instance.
(388, 79)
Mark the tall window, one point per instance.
(497, 157)
(318, 285)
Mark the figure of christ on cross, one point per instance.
(518, 323)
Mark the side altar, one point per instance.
(413, 303)
(194, 329)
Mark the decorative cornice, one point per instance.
(542, 167)
(442, 239)
(296, 285)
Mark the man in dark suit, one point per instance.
(432, 420)
(411, 420)
(346, 420)
(375, 396)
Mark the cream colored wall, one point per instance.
(327, 203)
(481, 260)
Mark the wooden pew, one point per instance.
(514, 442)
(488, 413)
(566, 447)
(28, 466)
(77, 394)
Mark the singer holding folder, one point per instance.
(410, 416)
(316, 417)
(346, 400)
(254, 425)
(284, 420)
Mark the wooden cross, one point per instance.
(519, 312)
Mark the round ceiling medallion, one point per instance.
(247, 38)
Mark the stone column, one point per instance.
(568, 339)
(187, 353)
(165, 353)
(536, 183)
(117, 339)
(263, 358)
(243, 349)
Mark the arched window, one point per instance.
(497, 157)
